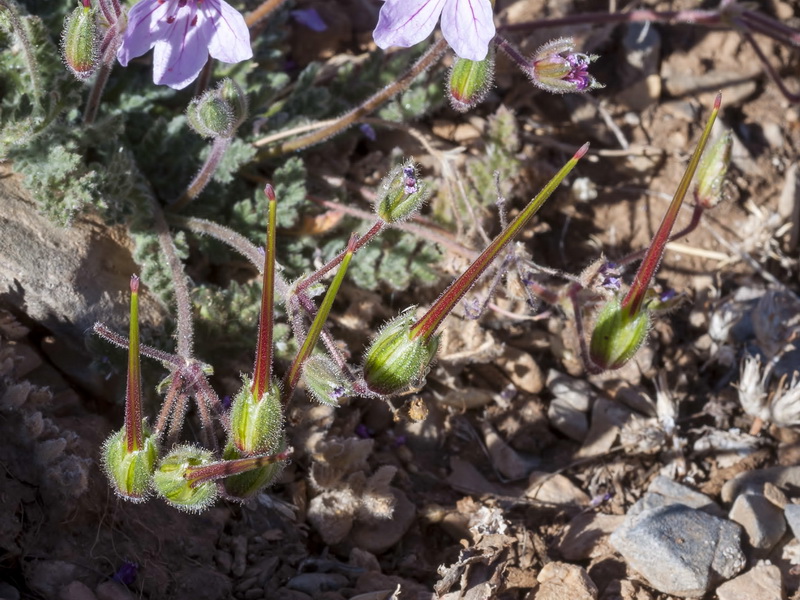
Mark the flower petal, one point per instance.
(407, 22)
(182, 51)
(228, 32)
(468, 26)
(145, 22)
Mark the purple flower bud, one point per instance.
(557, 68)
(126, 574)
(368, 131)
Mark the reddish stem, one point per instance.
(226, 468)
(632, 303)
(263, 367)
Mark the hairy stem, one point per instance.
(263, 11)
(198, 184)
(427, 60)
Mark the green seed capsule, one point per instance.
(229, 91)
(617, 336)
(395, 361)
(256, 424)
(712, 171)
(172, 484)
(470, 81)
(131, 473)
(211, 116)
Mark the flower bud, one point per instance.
(131, 473)
(256, 423)
(172, 483)
(401, 194)
(470, 81)
(395, 361)
(211, 116)
(617, 335)
(712, 171)
(557, 68)
(79, 42)
(245, 485)
(234, 96)
(324, 380)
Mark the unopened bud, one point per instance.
(557, 68)
(712, 171)
(230, 92)
(79, 42)
(395, 361)
(470, 81)
(617, 335)
(130, 473)
(325, 381)
(257, 423)
(211, 116)
(171, 479)
(401, 193)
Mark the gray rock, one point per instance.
(785, 478)
(569, 410)
(762, 520)
(792, 514)
(680, 550)
(8, 591)
(111, 590)
(665, 492)
(314, 584)
(762, 582)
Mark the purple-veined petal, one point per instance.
(468, 26)
(182, 51)
(407, 22)
(145, 23)
(229, 36)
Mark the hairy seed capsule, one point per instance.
(395, 361)
(211, 116)
(171, 482)
(130, 473)
(245, 485)
(401, 193)
(617, 336)
(325, 381)
(256, 423)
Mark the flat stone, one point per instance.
(664, 491)
(762, 582)
(680, 550)
(586, 536)
(792, 514)
(785, 478)
(607, 419)
(761, 519)
(315, 583)
(562, 581)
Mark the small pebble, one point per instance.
(239, 547)
(562, 581)
(224, 561)
(762, 520)
(783, 477)
(522, 370)
(315, 583)
(663, 491)
(569, 410)
(792, 514)
(555, 489)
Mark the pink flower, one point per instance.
(184, 33)
(467, 25)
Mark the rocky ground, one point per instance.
(513, 474)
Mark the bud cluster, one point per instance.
(218, 112)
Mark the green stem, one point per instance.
(133, 396)
(293, 374)
(430, 322)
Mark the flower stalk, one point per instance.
(133, 390)
(262, 371)
(634, 299)
(430, 322)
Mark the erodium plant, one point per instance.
(106, 135)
